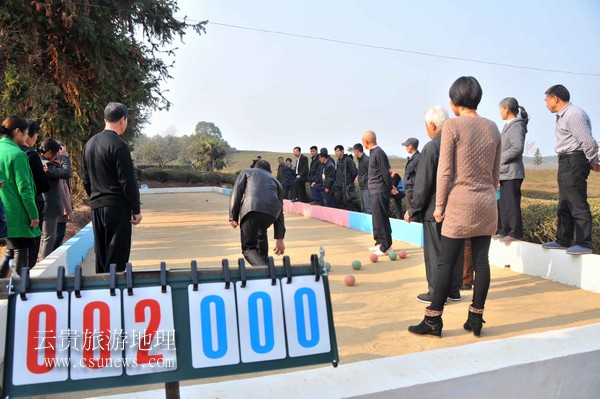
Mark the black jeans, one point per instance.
(449, 253)
(22, 250)
(380, 213)
(573, 210)
(432, 234)
(112, 237)
(510, 208)
(299, 191)
(253, 233)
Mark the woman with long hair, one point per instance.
(467, 178)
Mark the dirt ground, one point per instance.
(371, 318)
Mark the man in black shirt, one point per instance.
(381, 188)
(109, 181)
(363, 178)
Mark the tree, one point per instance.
(157, 150)
(63, 61)
(529, 146)
(537, 157)
(206, 149)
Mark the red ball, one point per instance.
(402, 254)
(349, 280)
(374, 258)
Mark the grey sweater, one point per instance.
(513, 143)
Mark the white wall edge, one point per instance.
(554, 364)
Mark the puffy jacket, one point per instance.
(345, 172)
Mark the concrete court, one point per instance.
(370, 318)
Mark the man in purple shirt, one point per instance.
(577, 155)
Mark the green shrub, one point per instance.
(539, 221)
(187, 177)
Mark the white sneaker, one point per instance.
(375, 248)
(379, 253)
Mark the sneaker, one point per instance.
(455, 297)
(552, 245)
(497, 236)
(508, 239)
(374, 248)
(579, 250)
(379, 253)
(466, 287)
(424, 297)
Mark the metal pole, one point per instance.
(172, 390)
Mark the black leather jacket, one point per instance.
(256, 190)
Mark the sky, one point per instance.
(273, 92)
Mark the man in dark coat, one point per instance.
(344, 190)
(363, 178)
(109, 180)
(322, 188)
(423, 205)
(301, 169)
(410, 171)
(256, 203)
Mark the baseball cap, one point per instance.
(411, 141)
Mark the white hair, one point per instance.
(436, 114)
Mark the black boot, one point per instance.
(431, 325)
(474, 322)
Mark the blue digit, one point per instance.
(312, 314)
(268, 322)
(205, 320)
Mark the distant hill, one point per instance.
(550, 162)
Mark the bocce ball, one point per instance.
(402, 254)
(349, 280)
(356, 265)
(374, 258)
(393, 255)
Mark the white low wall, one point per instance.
(582, 271)
(556, 364)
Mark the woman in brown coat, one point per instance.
(467, 179)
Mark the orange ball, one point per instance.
(402, 254)
(374, 258)
(349, 280)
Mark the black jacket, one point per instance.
(256, 190)
(302, 164)
(327, 174)
(379, 172)
(108, 176)
(54, 206)
(410, 172)
(363, 171)
(315, 166)
(345, 172)
(281, 173)
(422, 204)
(40, 179)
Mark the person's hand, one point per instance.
(438, 215)
(406, 217)
(326, 190)
(233, 223)
(313, 184)
(279, 247)
(394, 191)
(34, 223)
(136, 219)
(45, 166)
(298, 176)
(69, 215)
(596, 168)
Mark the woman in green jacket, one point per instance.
(18, 192)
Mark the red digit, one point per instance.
(140, 316)
(103, 337)
(48, 342)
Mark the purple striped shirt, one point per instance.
(574, 133)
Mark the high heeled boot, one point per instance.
(474, 321)
(432, 324)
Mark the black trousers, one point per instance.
(399, 205)
(432, 236)
(253, 233)
(112, 237)
(510, 208)
(451, 249)
(573, 210)
(22, 250)
(299, 191)
(380, 213)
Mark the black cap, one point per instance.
(411, 141)
(323, 153)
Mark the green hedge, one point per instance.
(539, 221)
(187, 176)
